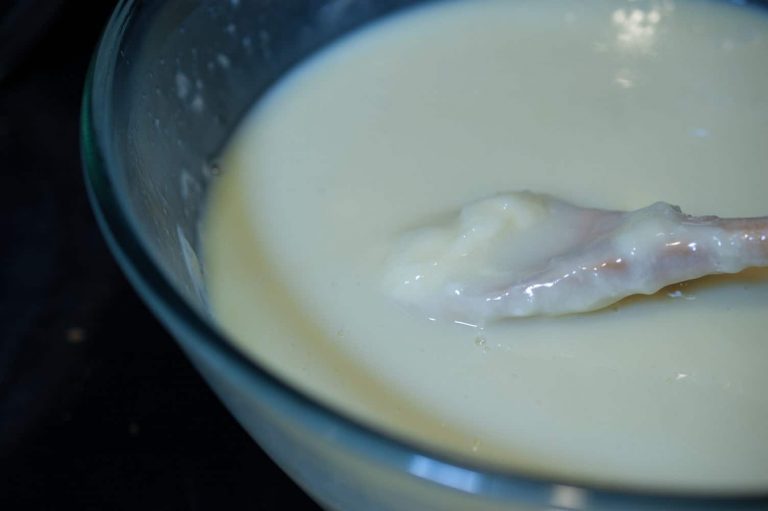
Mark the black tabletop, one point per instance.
(99, 409)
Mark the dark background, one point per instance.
(99, 409)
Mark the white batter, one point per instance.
(522, 254)
(610, 104)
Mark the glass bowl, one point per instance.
(169, 83)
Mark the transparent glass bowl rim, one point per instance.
(172, 309)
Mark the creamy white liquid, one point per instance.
(610, 104)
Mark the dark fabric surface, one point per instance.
(99, 409)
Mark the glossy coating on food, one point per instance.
(526, 254)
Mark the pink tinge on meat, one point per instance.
(525, 254)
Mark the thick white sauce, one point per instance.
(610, 104)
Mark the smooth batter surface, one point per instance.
(610, 104)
